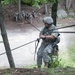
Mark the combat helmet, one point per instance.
(48, 20)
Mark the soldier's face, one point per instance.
(47, 26)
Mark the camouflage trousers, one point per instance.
(43, 53)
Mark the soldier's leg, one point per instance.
(39, 56)
(46, 56)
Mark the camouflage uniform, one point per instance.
(46, 45)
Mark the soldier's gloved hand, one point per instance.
(42, 37)
(38, 39)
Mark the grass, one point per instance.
(68, 56)
(62, 71)
(71, 53)
(7, 74)
(67, 63)
(31, 66)
(50, 71)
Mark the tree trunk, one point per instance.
(68, 4)
(5, 39)
(19, 9)
(73, 5)
(45, 8)
(54, 11)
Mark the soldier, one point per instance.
(16, 16)
(48, 36)
(30, 18)
(23, 14)
(33, 14)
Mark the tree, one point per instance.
(54, 11)
(37, 3)
(19, 8)
(73, 5)
(5, 38)
(68, 4)
(45, 9)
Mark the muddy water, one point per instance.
(25, 55)
(22, 56)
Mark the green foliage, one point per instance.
(36, 5)
(71, 52)
(7, 74)
(68, 56)
(13, 1)
(28, 2)
(60, 0)
(43, 1)
(30, 66)
(52, 1)
(5, 2)
(54, 62)
(62, 71)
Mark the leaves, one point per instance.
(28, 2)
(5, 2)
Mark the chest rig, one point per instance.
(47, 31)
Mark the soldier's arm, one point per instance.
(41, 35)
(53, 35)
(49, 37)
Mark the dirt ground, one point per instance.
(23, 71)
(24, 25)
(34, 71)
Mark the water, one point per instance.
(25, 55)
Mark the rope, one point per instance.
(65, 26)
(58, 28)
(19, 46)
(36, 45)
(35, 40)
(24, 45)
(65, 32)
(35, 27)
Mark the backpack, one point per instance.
(55, 46)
